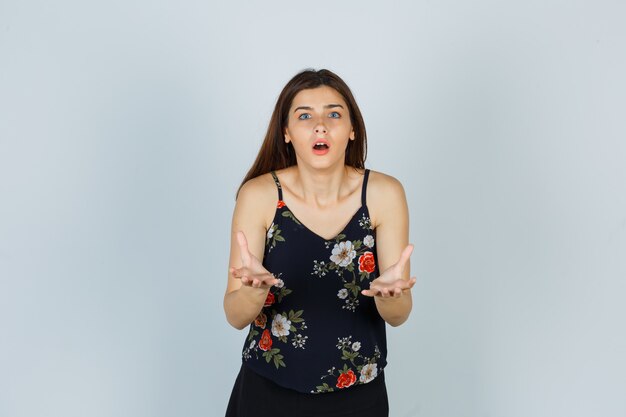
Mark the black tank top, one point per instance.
(316, 332)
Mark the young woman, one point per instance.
(319, 262)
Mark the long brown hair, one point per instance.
(275, 154)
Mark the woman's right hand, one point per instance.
(252, 272)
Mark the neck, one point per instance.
(322, 188)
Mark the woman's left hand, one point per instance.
(390, 283)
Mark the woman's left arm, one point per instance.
(392, 289)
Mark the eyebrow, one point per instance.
(328, 106)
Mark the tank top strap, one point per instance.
(280, 189)
(367, 173)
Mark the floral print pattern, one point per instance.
(280, 326)
(354, 360)
(283, 324)
(273, 232)
(345, 255)
(346, 379)
(276, 345)
(289, 214)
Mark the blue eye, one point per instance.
(304, 114)
(335, 113)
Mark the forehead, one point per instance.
(319, 96)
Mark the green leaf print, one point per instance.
(295, 317)
(347, 356)
(324, 388)
(352, 286)
(274, 234)
(352, 352)
(291, 320)
(284, 291)
(290, 215)
(252, 334)
(274, 355)
(278, 361)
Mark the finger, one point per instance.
(369, 293)
(402, 285)
(373, 291)
(407, 285)
(271, 279)
(243, 247)
(265, 279)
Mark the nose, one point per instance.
(320, 128)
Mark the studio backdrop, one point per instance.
(127, 126)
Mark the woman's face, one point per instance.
(319, 115)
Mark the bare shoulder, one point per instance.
(253, 207)
(385, 194)
(257, 199)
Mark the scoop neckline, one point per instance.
(345, 227)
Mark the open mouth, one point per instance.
(321, 144)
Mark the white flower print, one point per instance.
(351, 304)
(299, 341)
(368, 372)
(270, 328)
(246, 354)
(270, 231)
(343, 253)
(343, 293)
(354, 362)
(343, 342)
(368, 241)
(319, 269)
(280, 326)
(365, 222)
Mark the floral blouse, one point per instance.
(316, 332)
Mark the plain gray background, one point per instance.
(127, 126)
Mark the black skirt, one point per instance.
(256, 396)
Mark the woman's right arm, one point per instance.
(248, 281)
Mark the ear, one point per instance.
(286, 135)
(352, 134)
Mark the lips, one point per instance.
(319, 141)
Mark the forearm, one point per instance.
(395, 311)
(243, 305)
